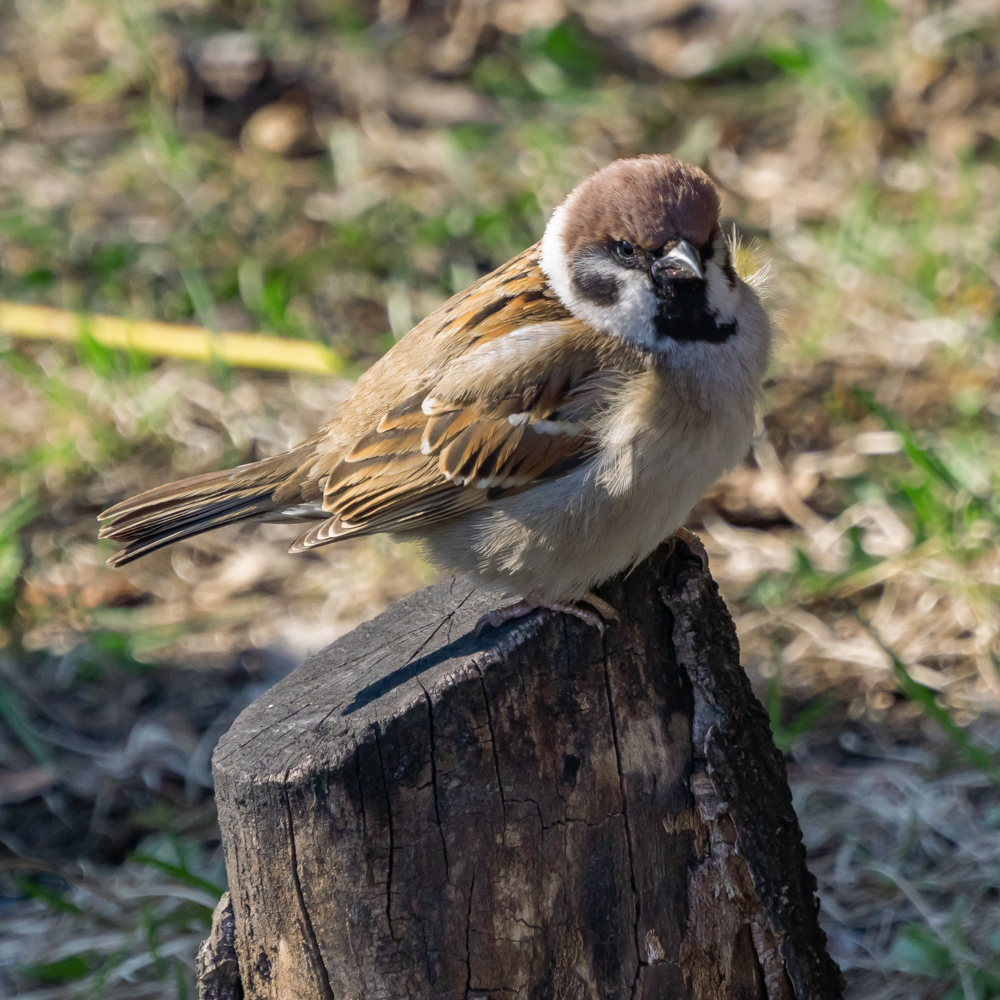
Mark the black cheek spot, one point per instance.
(598, 288)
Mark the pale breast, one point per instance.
(659, 453)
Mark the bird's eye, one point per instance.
(625, 248)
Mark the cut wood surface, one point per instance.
(540, 812)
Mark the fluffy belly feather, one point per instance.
(557, 540)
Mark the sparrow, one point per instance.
(543, 429)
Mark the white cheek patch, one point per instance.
(552, 256)
(722, 298)
(630, 316)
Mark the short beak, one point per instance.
(681, 262)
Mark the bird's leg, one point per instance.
(522, 608)
(694, 544)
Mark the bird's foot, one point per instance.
(693, 543)
(605, 612)
(501, 615)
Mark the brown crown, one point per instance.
(648, 201)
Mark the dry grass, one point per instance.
(119, 933)
(907, 853)
(333, 172)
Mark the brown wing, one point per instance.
(492, 392)
(513, 411)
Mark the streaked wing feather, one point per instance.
(406, 416)
(377, 444)
(444, 428)
(513, 407)
(419, 511)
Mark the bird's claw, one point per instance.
(694, 545)
(596, 619)
(501, 615)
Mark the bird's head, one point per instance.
(636, 252)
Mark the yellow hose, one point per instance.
(171, 340)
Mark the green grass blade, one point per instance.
(182, 875)
(927, 699)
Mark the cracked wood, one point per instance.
(539, 812)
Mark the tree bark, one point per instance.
(540, 812)
(218, 970)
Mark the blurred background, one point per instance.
(331, 170)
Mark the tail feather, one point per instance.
(164, 515)
(167, 532)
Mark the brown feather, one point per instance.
(403, 417)
(434, 409)
(179, 510)
(479, 452)
(649, 200)
(470, 450)
(384, 445)
(440, 430)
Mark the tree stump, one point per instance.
(540, 812)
